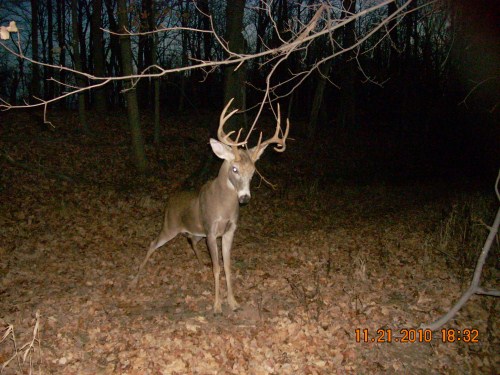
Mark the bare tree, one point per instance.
(50, 46)
(295, 43)
(35, 69)
(138, 153)
(323, 73)
(234, 78)
(98, 53)
(347, 106)
(78, 64)
(114, 46)
(61, 40)
(156, 85)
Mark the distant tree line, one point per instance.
(428, 65)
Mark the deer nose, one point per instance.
(244, 199)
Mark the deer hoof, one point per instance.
(217, 309)
(234, 305)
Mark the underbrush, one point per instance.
(463, 231)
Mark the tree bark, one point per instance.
(318, 99)
(114, 66)
(98, 54)
(144, 87)
(50, 43)
(347, 108)
(35, 70)
(157, 130)
(81, 36)
(234, 81)
(61, 41)
(78, 64)
(204, 51)
(156, 85)
(394, 39)
(184, 37)
(205, 20)
(138, 153)
(261, 27)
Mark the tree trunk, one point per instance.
(262, 24)
(98, 54)
(318, 99)
(144, 88)
(16, 79)
(82, 29)
(78, 64)
(82, 37)
(61, 41)
(234, 81)
(394, 39)
(114, 58)
(204, 46)
(207, 38)
(35, 70)
(138, 153)
(156, 86)
(42, 45)
(50, 43)
(347, 106)
(184, 37)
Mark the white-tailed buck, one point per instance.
(213, 211)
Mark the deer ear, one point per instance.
(257, 153)
(221, 150)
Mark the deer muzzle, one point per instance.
(244, 199)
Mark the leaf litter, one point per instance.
(313, 261)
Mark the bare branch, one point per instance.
(319, 25)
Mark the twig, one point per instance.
(475, 287)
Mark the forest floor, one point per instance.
(313, 261)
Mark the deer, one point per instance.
(213, 211)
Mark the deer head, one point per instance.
(239, 159)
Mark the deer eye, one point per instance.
(235, 170)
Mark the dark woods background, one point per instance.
(419, 102)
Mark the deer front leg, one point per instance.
(214, 254)
(227, 241)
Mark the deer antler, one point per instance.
(226, 138)
(221, 135)
(280, 142)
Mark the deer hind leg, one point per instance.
(162, 239)
(227, 241)
(214, 254)
(194, 241)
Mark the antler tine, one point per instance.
(280, 142)
(282, 145)
(223, 137)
